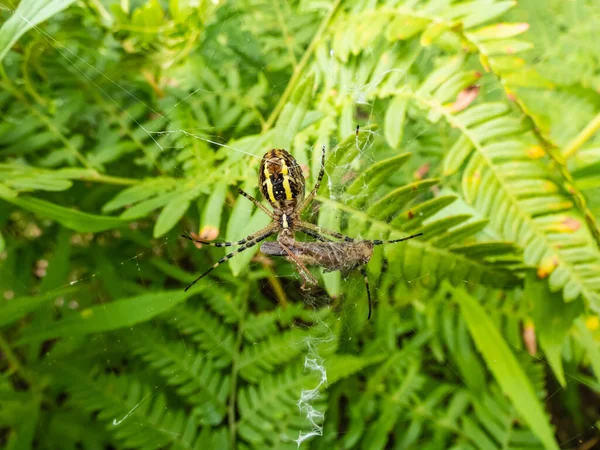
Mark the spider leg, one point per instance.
(312, 194)
(314, 235)
(232, 243)
(270, 230)
(394, 241)
(305, 226)
(307, 279)
(363, 271)
(304, 272)
(257, 203)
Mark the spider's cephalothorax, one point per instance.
(282, 184)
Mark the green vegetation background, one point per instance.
(126, 123)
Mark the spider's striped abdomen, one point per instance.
(281, 180)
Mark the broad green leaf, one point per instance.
(245, 219)
(394, 120)
(139, 193)
(111, 316)
(393, 202)
(449, 90)
(435, 227)
(330, 218)
(70, 218)
(528, 77)
(38, 183)
(170, 215)
(486, 249)
(293, 114)
(459, 234)
(213, 210)
(433, 31)
(17, 308)
(586, 338)
(59, 264)
(6, 192)
(482, 12)
(412, 218)
(553, 318)
(506, 47)
(505, 367)
(371, 179)
(28, 14)
(21, 410)
(405, 26)
(145, 207)
(437, 77)
(482, 113)
(499, 31)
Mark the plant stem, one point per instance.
(277, 287)
(286, 33)
(13, 361)
(299, 69)
(585, 135)
(108, 179)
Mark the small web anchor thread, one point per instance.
(307, 396)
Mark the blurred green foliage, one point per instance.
(127, 123)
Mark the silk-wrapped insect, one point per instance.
(344, 256)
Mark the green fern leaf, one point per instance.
(526, 207)
(197, 380)
(212, 336)
(137, 416)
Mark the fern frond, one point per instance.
(271, 401)
(282, 29)
(210, 334)
(271, 406)
(198, 382)
(398, 373)
(363, 30)
(505, 180)
(433, 257)
(495, 422)
(403, 392)
(263, 325)
(137, 415)
(261, 358)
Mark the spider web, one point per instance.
(307, 400)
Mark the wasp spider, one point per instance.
(282, 184)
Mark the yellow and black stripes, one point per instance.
(280, 179)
